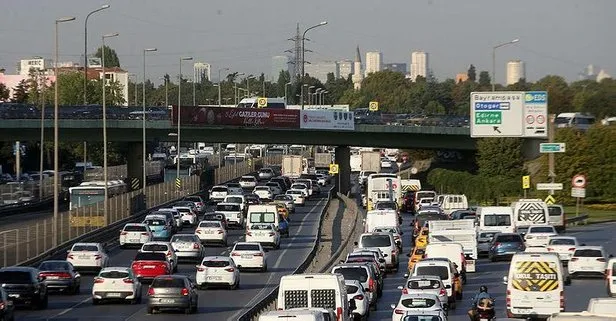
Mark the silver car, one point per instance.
(188, 247)
(484, 239)
(172, 292)
(430, 284)
(266, 174)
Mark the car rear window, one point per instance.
(555, 211)
(425, 284)
(84, 248)
(351, 288)
(184, 238)
(150, 256)
(353, 273)
(213, 217)
(135, 228)
(440, 271)
(155, 247)
(562, 242)
(13, 277)
(54, 266)
(541, 229)
(423, 218)
(168, 283)
(487, 235)
(216, 263)
(509, 238)
(422, 318)
(219, 189)
(385, 206)
(113, 274)
(247, 247)
(227, 207)
(417, 303)
(376, 241)
(234, 200)
(588, 253)
(155, 222)
(209, 224)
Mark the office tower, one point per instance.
(515, 71)
(374, 62)
(419, 64)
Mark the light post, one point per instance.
(143, 151)
(235, 86)
(85, 53)
(105, 177)
(304, 54)
(248, 85)
(56, 166)
(286, 92)
(310, 95)
(302, 94)
(220, 84)
(494, 59)
(166, 90)
(325, 92)
(43, 83)
(177, 174)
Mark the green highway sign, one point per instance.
(552, 147)
(488, 118)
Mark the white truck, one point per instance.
(383, 187)
(458, 231)
(355, 163)
(380, 218)
(322, 160)
(529, 211)
(370, 161)
(292, 166)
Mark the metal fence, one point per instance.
(25, 192)
(19, 245)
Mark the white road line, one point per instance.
(282, 255)
(65, 311)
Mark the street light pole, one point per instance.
(494, 59)
(143, 151)
(220, 85)
(105, 173)
(286, 101)
(177, 161)
(85, 53)
(56, 169)
(304, 54)
(235, 86)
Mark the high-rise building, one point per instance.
(320, 70)
(374, 62)
(419, 64)
(515, 71)
(202, 71)
(345, 68)
(358, 76)
(396, 67)
(279, 63)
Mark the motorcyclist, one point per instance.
(483, 294)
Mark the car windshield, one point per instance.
(166, 282)
(13, 277)
(234, 199)
(541, 229)
(234, 185)
(246, 247)
(155, 247)
(184, 238)
(486, 235)
(54, 266)
(386, 230)
(562, 242)
(84, 248)
(247, 179)
(588, 253)
(114, 274)
(150, 256)
(228, 207)
(205, 224)
(509, 239)
(497, 220)
(353, 273)
(294, 192)
(298, 186)
(375, 241)
(155, 222)
(216, 263)
(414, 303)
(262, 188)
(424, 284)
(437, 270)
(281, 198)
(135, 228)
(423, 218)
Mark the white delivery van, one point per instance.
(527, 212)
(557, 217)
(321, 290)
(423, 195)
(452, 251)
(581, 316)
(380, 218)
(495, 218)
(535, 286)
(294, 315)
(451, 203)
(602, 306)
(458, 231)
(267, 214)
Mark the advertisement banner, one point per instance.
(321, 119)
(242, 117)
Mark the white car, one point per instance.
(288, 201)
(199, 203)
(177, 216)
(539, 235)
(187, 246)
(430, 284)
(355, 291)
(248, 182)
(249, 255)
(264, 193)
(88, 256)
(116, 283)
(265, 234)
(275, 187)
(564, 246)
(218, 193)
(237, 199)
(322, 179)
(235, 189)
(162, 247)
(233, 213)
(307, 183)
(588, 261)
(187, 215)
(416, 302)
(211, 231)
(299, 198)
(135, 234)
(301, 187)
(217, 270)
(266, 173)
(611, 277)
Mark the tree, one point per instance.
(283, 79)
(111, 57)
(500, 157)
(20, 93)
(472, 73)
(484, 79)
(4, 92)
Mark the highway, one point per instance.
(213, 304)
(491, 275)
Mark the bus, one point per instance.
(297, 149)
(276, 150)
(91, 193)
(257, 151)
(576, 120)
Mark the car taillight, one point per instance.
(184, 291)
(405, 291)
(371, 285)
(573, 259)
(571, 249)
(145, 233)
(199, 204)
(128, 281)
(248, 233)
(550, 249)
(601, 259)
(358, 297)
(258, 254)
(399, 311)
(230, 269)
(70, 256)
(562, 300)
(123, 233)
(151, 291)
(235, 254)
(508, 299)
(497, 244)
(196, 246)
(2, 305)
(220, 231)
(99, 280)
(442, 292)
(339, 313)
(198, 231)
(98, 257)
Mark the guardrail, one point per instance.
(576, 219)
(268, 300)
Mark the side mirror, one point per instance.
(505, 280)
(381, 260)
(393, 306)
(406, 275)
(611, 256)
(384, 255)
(447, 286)
(400, 287)
(355, 243)
(197, 266)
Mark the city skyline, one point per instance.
(245, 47)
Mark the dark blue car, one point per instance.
(505, 245)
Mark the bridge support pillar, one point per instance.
(134, 166)
(343, 159)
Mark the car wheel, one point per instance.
(264, 269)
(122, 246)
(150, 310)
(373, 307)
(77, 288)
(188, 310)
(492, 259)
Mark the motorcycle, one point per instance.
(485, 310)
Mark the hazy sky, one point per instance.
(556, 36)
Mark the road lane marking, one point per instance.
(65, 311)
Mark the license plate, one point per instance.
(167, 301)
(542, 237)
(83, 257)
(585, 268)
(483, 319)
(114, 295)
(209, 232)
(214, 278)
(13, 295)
(246, 256)
(133, 241)
(182, 246)
(524, 311)
(53, 277)
(148, 266)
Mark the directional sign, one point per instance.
(333, 168)
(536, 114)
(526, 182)
(373, 106)
(550, 200)
(549, 186)
(552, 147)
(497, 114)
(578, 192)
(578, 181)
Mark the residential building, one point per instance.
(374, 62)
(345, 68)
(419, 64)
(320, 70)
(396, 67)
(202, 71)
(279, 63)
(515, 71)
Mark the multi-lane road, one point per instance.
(213, 304)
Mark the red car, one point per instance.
(148, 265)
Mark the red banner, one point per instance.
(241, 117)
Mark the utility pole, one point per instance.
(551, 162)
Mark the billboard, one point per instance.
(241, 117)
(321, 119)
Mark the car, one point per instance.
(199, 203)
(187, 247)
(60, 275)
(394, 230)
(264, 234)
(24, 286)
(447, 272)
(188, 216)
(116, 283)
(362, 273)
(301, 187)
(416, 302)
(252, 199)
(211, 232)
(282, 209)
(172, 292)
(610, 277)
(168, 216)
(505, 245)
(249, 255)
(264, 192)
(316, 188)
(323, 179)
(161, 227)
(356, 292)
(135, 234)
(218, 193)
(386, 205)
(299, 197)
(431, 284)
(417, 255)
(283, 226)
(539, 235)
(88, 256)
(282, 182)
(217, 270)
(484, 240)
(237, 199)
(7, 310)
(177, 216)
(308, 183)
(287, 200)
(588, 261)
(213, 216)
(146, 266)
(248, 182)
(235, 189)
(265, 174)
(373, 252)
(564, 246)
(275, 188)
(233, 213)
(162, 247)
(385, 242)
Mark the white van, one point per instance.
(495, 218)
(578, 316)
(295, 315)
(253, 102)
(602, 306)
(266, 214)
(535, 286)
(527, 212)
(557, 217)
(610, 276)
(452, 251)
(380, 218)
(451, 203)
(314, 291)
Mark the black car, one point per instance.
(60, 275)
(7, 309)
(24, 286)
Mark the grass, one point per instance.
(595, 215)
